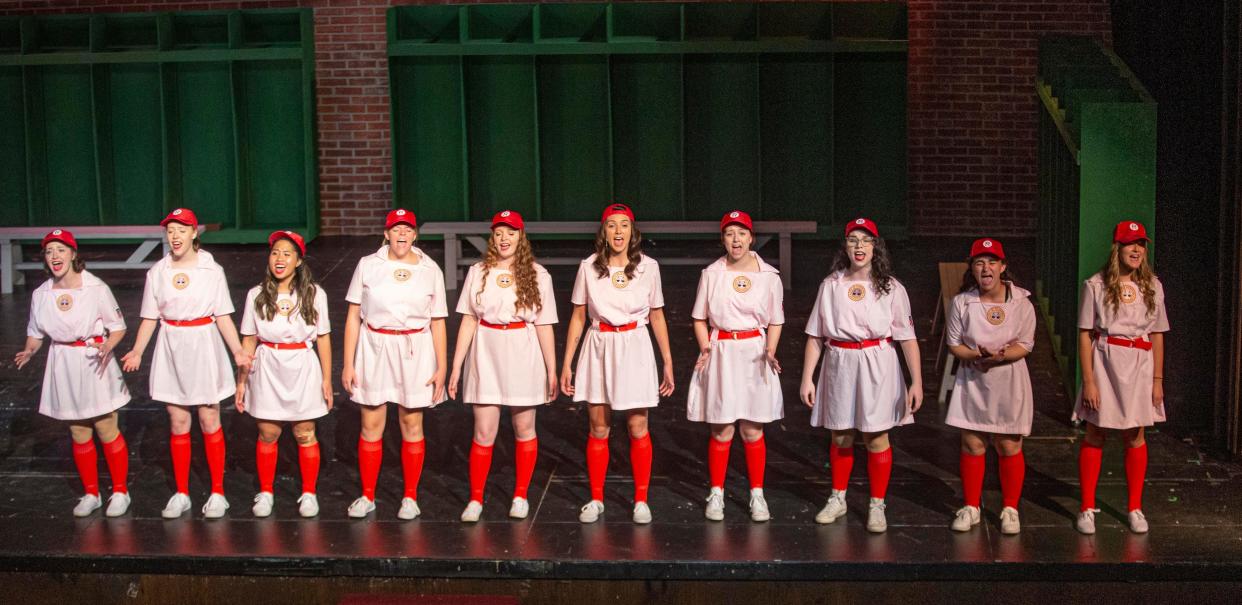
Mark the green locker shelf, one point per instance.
(797, 127)
(117, 118)
(721, 134)
(427, 107)
(648, 160)
(503, 146)
(871, 143)
(575, 155)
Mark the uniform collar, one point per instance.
(764, 267)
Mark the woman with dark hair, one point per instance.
(290, 379)
(82, 384)
(619, 287)
(506, 353)
(859, 311)
(991, 329)
(1121, 326)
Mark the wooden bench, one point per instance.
(11, 238)
(475, 234)
(951, 275)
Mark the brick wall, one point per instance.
(972, 109)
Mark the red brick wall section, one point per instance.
(972, 111)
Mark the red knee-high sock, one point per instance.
(879, 469)
(640, 463)
(87, 460)
(308, 461)
(214, 444)
(412, 455)
(179, 445)
(480, 464)
(116, 453)
(1089, 457)
(756, 460)
(597, 465)
(370, 457)
(718, 460)
(265, 455)
(972, 469)
(841, 459)
(1136, 473)
(1012, 475)
(525, 454)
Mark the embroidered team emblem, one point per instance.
(284, 306)
(996, 315)
(742, 284)
(619, 280)
(181, 281)
(504, 280)
(64, 302)
(1128, 294)
(856, 292)
(401, 274)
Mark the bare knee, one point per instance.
(1094, 435)
(304, 433)
(411, 425)
(972, 443)
(637, 424)
(107, 428)
(269, 432)
(843, 439)
(876, 442)
(722, 432)
(209, 418)
(523, 425)
(751, 431)
(81, 433)
(178, 419)
(1007, 445)
(1134, 437)
(373, 421)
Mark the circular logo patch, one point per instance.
(1128, 294)
(856, 292)
(996, 315)
(987, 243)
(742, 284)
(400, 213)
(733, 214)
(619, 280)
(401, 274)
(177, 212)
(284, 306)
(504, 280)
(181, 281)
(64, 302)
(505, 214)
(57, 232)
(1134, 226)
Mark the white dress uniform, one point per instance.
(860, 388)
(285, 384)
(1123, 374)
(190, 365)
(737, 382)
(75, 386)
(998, 400)
(395, 296)
(618, 367)
(505, 366)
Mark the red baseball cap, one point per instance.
(60, 235)
(1128, 232)
(510, 218)
(987, 246)
(398, 216)
(616, 209)
(737, 217)
(865, 224)
(185, 216)
(289, 235)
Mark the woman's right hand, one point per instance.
(807, 393)
(239, 399)
(567, 381)
(454, 379)
(349, 379)
(704, 356)
(1091, 396)
(22, 358)
(131, 361)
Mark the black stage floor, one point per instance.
(1191, 498)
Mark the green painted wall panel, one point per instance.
(575, 166)
(503, 145)
(870, 138)
(134, 137)
(204, 124)
(427, 122)
(647, 127)
(797, 129)
(722, 135)
(12, 149)
(67, 133)
(274, 151)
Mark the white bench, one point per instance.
(475, 234)
(12, 265)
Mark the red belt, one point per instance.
(286, 345)
(860, 344)
(517, 325)
(388, 332)
(187, 323)
(603, 327)
(82, 343)
(1135, 343)
(742, 335)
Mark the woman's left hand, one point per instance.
(914, 397)
(1157, 393)
(666, 385)
(437, 384)
(770, 356)
(552, 385)
(327, 392)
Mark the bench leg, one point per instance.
(786, 244)
(7, 251)
(452, 249)
(946, 380)
(143, 250)
(936, 313)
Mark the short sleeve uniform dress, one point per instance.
(998, 400)
(285, 383)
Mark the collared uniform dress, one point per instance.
(618, 368)
(505, 366)
(998, 400)
(397, 296)
(737, 383)
(190, 365)
(862, 388)
(75, 386)
(285, 385)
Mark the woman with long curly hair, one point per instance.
(861, 309)
(619, 287)
(1121, 326)
(505, 347)
(290, 379)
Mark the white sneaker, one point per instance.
(519, 509)
(1138, 521)
(215, 506)
(715, 505)
(118, 504)
(1009, 521)
(876, 523)
(361, 507)
(262, 504)
(967, 517)
(592, 510)
(409, 509)
(87, 504)
(642, 513)
(308, 505)
(1086, 521)
(758, 506)
(177, 505)
(474, 509)
(833, 510)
